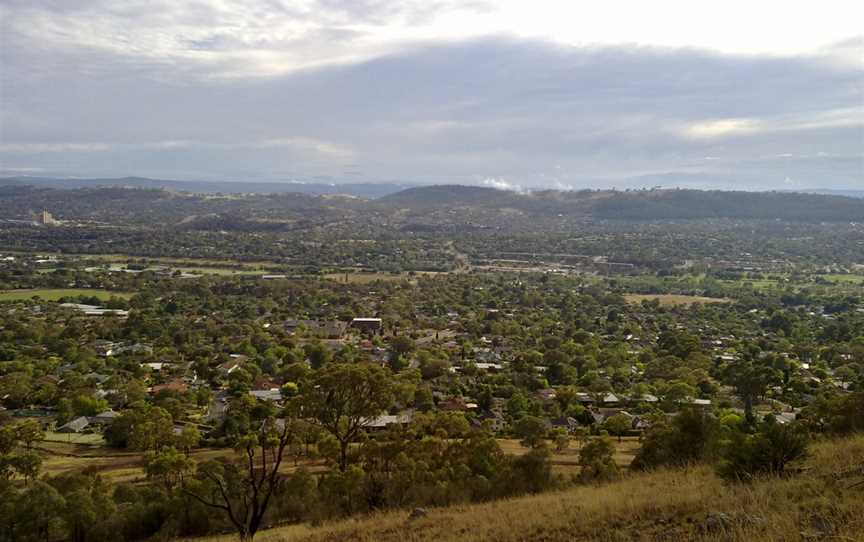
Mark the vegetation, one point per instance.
(60, 294)
(679, 504)
(329, 367)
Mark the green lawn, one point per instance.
(844, 279)
(53, 294)
(92, 439)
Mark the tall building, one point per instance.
(47, 218)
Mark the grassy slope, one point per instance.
(666, 505)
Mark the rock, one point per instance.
(821, 525)
(418, 513)
(750, 521)
(716, 522)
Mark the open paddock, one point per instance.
(673, 300)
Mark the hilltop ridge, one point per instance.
(431, 205)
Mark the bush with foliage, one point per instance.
(690, 437)
(766, 452)
(597, 460)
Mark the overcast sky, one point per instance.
(570, 94)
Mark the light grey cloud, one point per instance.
(183, 102)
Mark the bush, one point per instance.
(597, 459)
(766, 452)
(690, 437)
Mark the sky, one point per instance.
(509, 93)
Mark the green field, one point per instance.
(197, 270)
(92, 439)
(844, 279)
(53, 294)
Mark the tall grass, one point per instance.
(669, 505)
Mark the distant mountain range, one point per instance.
(373, 190)
(425, 207)
(660, 204)
(362, 190)
(831, 192)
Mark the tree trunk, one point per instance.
(343, 456)
(749, 418)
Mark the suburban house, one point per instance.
(565, 422)
(104, 418)
(232, 364)
(368, 325)
(333, 329)
(177, 385)
(272, 394)
(381, 423)
(74, 426)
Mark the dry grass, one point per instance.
(665, 505)
(64, 453)
(671, 300)
(118, 466)
(566, 461)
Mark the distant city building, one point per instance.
(47, 219)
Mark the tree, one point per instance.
(561, 439)
(318, 354)
(13, 460)
(402, 345)
(243, 490)
(531, 431)
(517, 405)
(580, 435)
(750, 381)
(168, 466)
(839, 414)
(89, 507)
(597, 460)
(618, 425)
(28, 432)
(37, 515)
(342, 397)
(152, 430)
(188, 438)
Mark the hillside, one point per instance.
(445, 206)
(637, 205)
(824, 502)
(449, 195)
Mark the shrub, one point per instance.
(597, 459)
(690, 437)
(768, 451)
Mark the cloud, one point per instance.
(274, 90)
(299, 143)
(723, 128)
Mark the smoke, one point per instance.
(502, 184)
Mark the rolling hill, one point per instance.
(429, 206)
